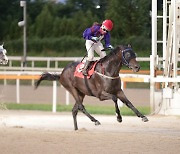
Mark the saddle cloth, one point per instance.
(79, 68)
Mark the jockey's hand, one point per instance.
(110, 47)
(95, 39)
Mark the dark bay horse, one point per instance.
(104, 84)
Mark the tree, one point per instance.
(130, 17)
(44, 23)
(81, 21)
(8, 13)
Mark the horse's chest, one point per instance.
(112, 86)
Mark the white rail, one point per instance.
(17, 74)
(48, 65)
(29, 58)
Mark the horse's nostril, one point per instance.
(137, 67)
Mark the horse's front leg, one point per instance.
(119, 118)
(123, 98)
(106, 96)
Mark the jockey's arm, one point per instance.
(107, 40)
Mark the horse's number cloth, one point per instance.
(79, 68)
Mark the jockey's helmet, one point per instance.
(108, 24)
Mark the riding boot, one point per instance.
(86, 66)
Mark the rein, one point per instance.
(108, 77)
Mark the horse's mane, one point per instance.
(111, 54)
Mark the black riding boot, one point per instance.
(86, 66)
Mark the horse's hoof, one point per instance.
(145, 119)
(75, 128)
(97, 123)
(119, 119)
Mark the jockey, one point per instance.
(93, 37)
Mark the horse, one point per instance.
(3, 57)
(104, 83)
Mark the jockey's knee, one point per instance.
(90, 58)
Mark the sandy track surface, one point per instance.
(30, 132)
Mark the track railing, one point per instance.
(24, 75)
(52, 64)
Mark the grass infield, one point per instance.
(106, 110)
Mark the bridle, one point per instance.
(126, 61)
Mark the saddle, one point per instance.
(80, 66)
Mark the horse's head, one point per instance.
(3, 57)
(129, 58)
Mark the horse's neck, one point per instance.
(112, 66)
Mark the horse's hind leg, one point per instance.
(82, 108)
(74, 113)
(119, 118)
(123, 98)
(78, 96)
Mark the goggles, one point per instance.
(104, 28)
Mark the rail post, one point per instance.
(54, 96)
(67, 97)
(17, 91)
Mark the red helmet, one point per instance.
(108, 24)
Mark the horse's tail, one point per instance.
(47, 76)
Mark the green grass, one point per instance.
(107, 110)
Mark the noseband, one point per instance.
(126, 58)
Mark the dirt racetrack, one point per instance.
(32, 132)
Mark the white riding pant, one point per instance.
(91, 47)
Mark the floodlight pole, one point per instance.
(24, 24)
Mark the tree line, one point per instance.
(50, 22)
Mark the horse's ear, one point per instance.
(129, 46)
